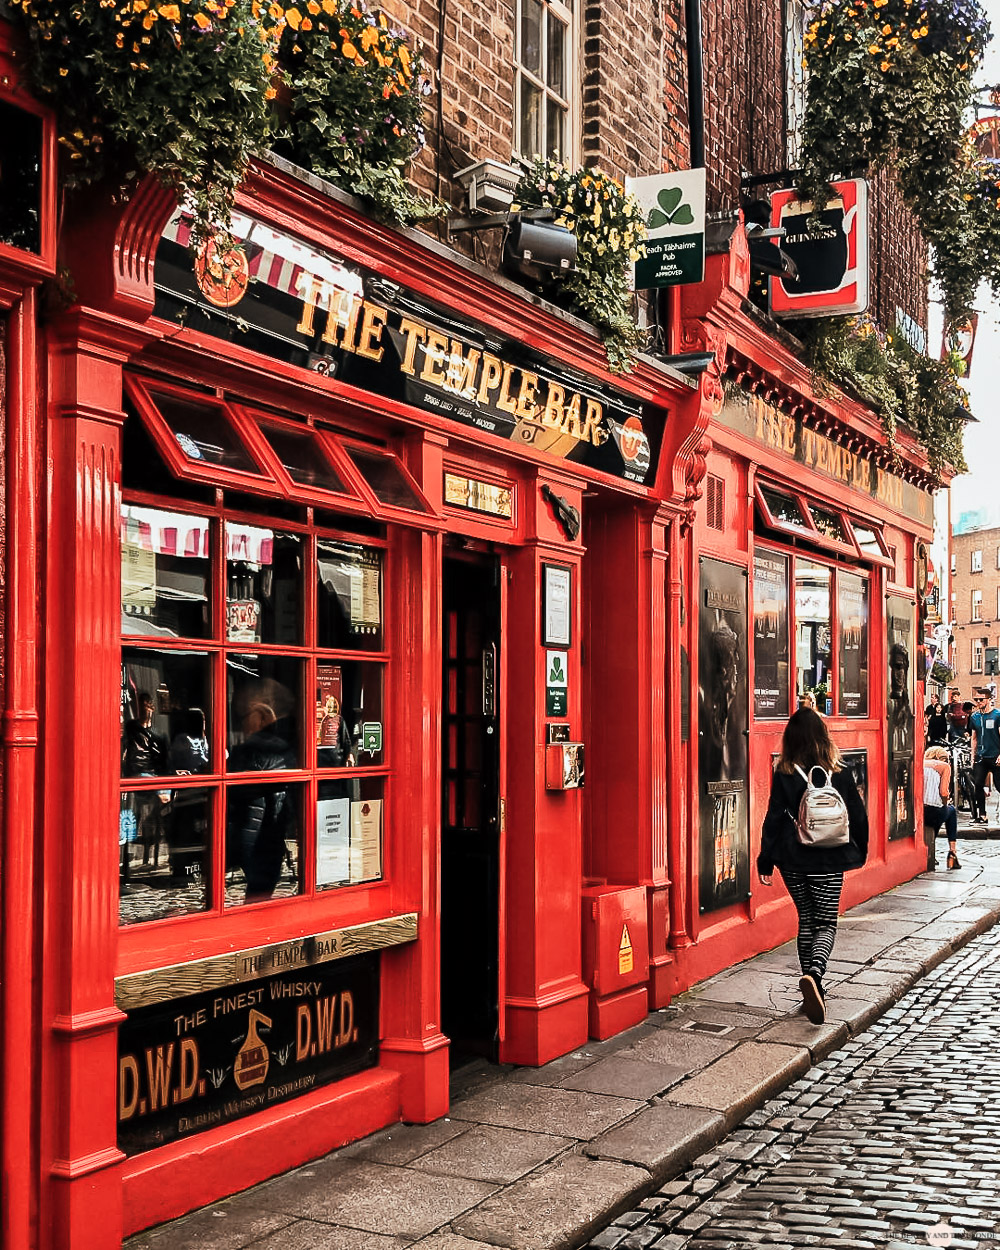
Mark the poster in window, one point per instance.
(852, 609)
(333, 841)
(899, 715)
(770, 635)
(723, 713)
(366, 840)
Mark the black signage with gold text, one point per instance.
(279, 296)
(204, 1059)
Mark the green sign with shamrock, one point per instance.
(556, 683)
(674, 204)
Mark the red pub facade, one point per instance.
(430, 673)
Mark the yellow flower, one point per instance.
(874, 49)
(887, 29)
(404, 57)
(369, 38)
(885, 65)
(294, 18)
(329, 6)
(276, 12)
(202, 21)
(313, 7)
(349, 50)
(171, 12)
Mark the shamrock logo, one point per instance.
(557, 674)
(671, 211)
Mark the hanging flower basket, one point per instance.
(610, 234)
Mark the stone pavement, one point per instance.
(533, 1159)
(890, 1143)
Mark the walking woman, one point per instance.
(813, 875)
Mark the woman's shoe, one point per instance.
(812, 1000)
(953, 860)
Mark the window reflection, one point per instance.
(263, 585)
(263, 712)
(349, 597)
(163, 722)
(783, 508)
(813, 632)
(165, 570)
(163, 838)
(263, 842)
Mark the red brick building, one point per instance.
(278, 570)
(975, 607)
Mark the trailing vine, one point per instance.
(177, 90)
(357, 101)
(184, 91)
(902, 385)
(891, 81)
(610, 233)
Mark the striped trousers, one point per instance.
(817, 898)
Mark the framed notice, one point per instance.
(557, 605)
(770, 635)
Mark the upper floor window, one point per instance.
(977, 561)
(978, 651)
(545, 78)
(977, 605)
(795, 77)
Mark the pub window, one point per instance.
(545, 77)
(814, 632)
(977, 562)
(254, 675)
(977, 605)
(978, 651)
(21, 157)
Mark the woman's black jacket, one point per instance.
(779, 843)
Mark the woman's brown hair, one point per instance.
(806, 742)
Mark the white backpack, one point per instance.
(823, 819)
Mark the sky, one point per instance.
(979, 489)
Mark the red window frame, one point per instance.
(248, 424)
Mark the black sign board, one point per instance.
(279, 296)
(723, 713)
(194, 1062)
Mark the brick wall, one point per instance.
(633, 80)
(963, 583)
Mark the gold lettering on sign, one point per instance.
(768, 425)
(343, 319)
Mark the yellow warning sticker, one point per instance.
(624, 952)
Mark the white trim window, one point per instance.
(545, 78)
(977, 605)
(978, 650)
(795, 78)
(977, 561)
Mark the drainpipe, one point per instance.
(696, 140)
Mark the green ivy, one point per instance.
(178, 90)
(357, 99)
(610, 235)
(902, 385)
(890, 85)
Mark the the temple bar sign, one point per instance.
(831, 257)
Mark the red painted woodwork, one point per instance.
(630, 833)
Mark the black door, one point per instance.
(470, 807)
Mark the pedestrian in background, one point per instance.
(937, 722)
(984, 724)
(813, 875)
(938, 810)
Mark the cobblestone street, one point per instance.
(889, 1142)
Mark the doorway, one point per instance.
(470, 806)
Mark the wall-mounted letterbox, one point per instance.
(564, 766)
